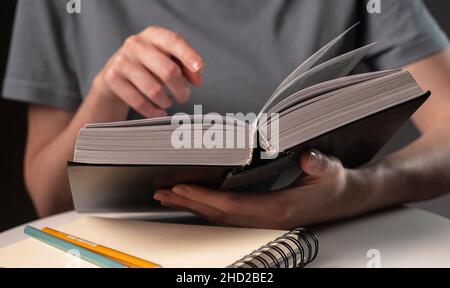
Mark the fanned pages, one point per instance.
(310, 62)
(332, 69)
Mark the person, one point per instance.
(119, 59)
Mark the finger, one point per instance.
(147, 84)
(175, 45)
(228, 202)
(315, 163)
(169, 199)
(131, 95)
(167, 71)
(195, 78)
(224, 201)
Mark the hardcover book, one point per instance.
(116, 166)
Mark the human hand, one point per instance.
(148, 61)
(327, 192)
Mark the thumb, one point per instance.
(315, 163)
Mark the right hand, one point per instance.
(148, 61)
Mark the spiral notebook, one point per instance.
(174, 245)
(295, 249)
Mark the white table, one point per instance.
(400, 237)
(16, 234)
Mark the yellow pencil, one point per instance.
(121, 257)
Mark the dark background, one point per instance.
(15, 205)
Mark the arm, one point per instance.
(329, 192)
(421, 170)
(134, 76)
(51, 139)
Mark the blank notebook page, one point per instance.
(170, 245)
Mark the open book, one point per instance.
(318, 105)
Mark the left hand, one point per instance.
(326, 193)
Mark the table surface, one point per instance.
(16, 234)
(402, 237)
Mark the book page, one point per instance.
(168, 120)
(312, 61)
(331, 69)
(325, 87)
(339, 108)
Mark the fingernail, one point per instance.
(196, 64)
(314, 159)
(159, 195)
(180, 189)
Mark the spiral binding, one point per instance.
(295, 249)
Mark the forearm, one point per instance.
(45, 172)
(418, 172)
(421, 170)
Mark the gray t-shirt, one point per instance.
(248, 46)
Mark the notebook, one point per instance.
(318, 105)
(173, 245)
